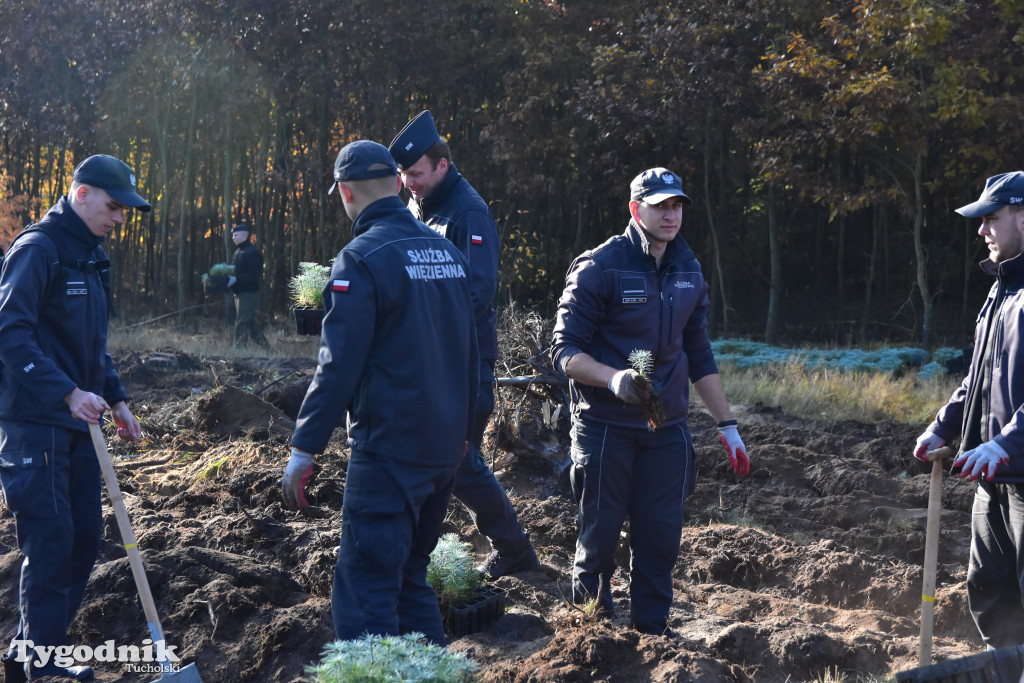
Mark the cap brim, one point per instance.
(979, 208)
(129, 199)
(658, 197)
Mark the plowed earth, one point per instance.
(809, 567)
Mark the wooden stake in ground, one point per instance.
(931, 553)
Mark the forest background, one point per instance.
(825, 144)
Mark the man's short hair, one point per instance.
(437, 151)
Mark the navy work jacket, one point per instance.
(398, 348)
(53, 323)
(1003, 399)
(456, 211)
(617, 300)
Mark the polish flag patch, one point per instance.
(477, 239)
(339, 286)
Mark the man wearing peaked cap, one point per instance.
(985, 412)
(444, 200)
(57, 378)
(407, 395)
(245, 286)
(632, 453)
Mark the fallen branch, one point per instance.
(526, 380)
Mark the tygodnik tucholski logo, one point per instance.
(150, 657)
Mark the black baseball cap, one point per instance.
(655, 185)
(114, 177)
(1000, 190)
(362, 160)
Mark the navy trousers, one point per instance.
(51, 482)
(995, 573)
(476, 486)
(391, 519)
(621, 472)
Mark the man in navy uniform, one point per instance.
(444, 200)
(986, 413)
(57, 377)
(640, 290)
(408, 394)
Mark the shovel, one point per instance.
(188, 674)
(931, 553)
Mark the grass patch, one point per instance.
(819, 392)
(213, 469)
(206, 337)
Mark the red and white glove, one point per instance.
(629, 386)
(982, 460)
(293, 483)
(926, 443)
(729, 435)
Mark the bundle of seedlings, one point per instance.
(642, 361)
(452, 573)
(307, 288)
(391, 659)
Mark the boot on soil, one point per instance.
(500, 564)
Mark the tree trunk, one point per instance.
(716, 247)
(920, 253)
(876, 238)
(775, 283)
(186, 197)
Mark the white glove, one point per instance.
(629, 386)
(729, 435)
(983, 459)
(927, 443)
(231, 280)
(293, 483)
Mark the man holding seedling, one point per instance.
(56, 378)
(986, 413)
(407, 391)
(637, 300)
(245, 285)
(447, 203)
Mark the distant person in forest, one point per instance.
(245, 285)
(57, 377)
(642, 290)
(985, 412)
(405, 392)
(444, 200)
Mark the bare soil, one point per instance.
(808, 567)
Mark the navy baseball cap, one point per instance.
(114, 177)
(414, 140)
(241, 227)
(362, 160)
(1000, 190)
(655, 185)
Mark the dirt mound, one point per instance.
(811, 564)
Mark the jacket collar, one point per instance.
(1010, 269)
(443, 189)
(676, 249)
(375, 210)
(74, 228)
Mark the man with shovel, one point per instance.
(986, 413)
(58, 377)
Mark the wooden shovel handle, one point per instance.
(939, 454)
(127, 535)
(931, 553)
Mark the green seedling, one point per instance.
(642, 361)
